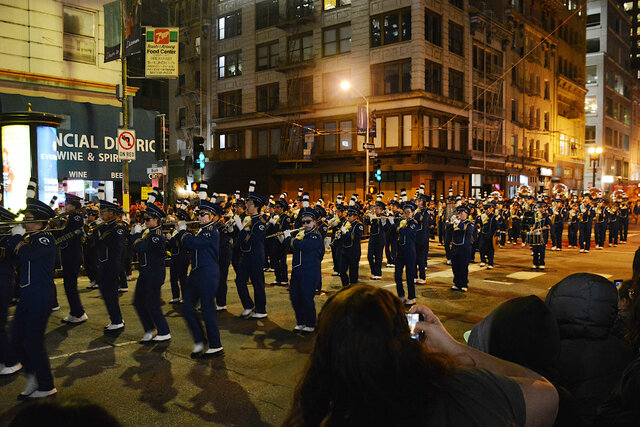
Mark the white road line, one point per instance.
(92, 350)
(498, 282)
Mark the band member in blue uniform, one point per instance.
(150, 247)
(459, 234)
(203, 280)
(623, 219)
(110, 244)
(224, 255)
(350, 235)
(9, 363)
(179, 264)
(600, 224)
(377, 228)
(488, 226)
(406, 257)
(239, 207)
(574, 225)
(70, 244)
(308, 249)
(542, 224)
(89, 254)
(423, 222)
(612, 224)
(323, 228)
(280, 223)
(391, 236)
(586, 218)
(335, 224)
(251, 236)
(558, 214)
(36, 258)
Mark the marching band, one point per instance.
(254, 235)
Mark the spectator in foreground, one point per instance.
(365, 369)
(591, 357)
(622, 408)
(70, 413)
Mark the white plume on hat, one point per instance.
(202, 193)
(300, 190)
(32, 187)
(421, 188)
(320, 201)
(152, 197)
(101, 192)
(214, 196)
(352, 202)
(184, 205)
(379, 197)
(252, 186)
(236, 194)
(339, 199)
(305, 200)
(395, 197)
(52, 202)
(403, 193)
(283, 196)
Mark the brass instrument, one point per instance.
(618, 195)
(295, 230)
(560, 191)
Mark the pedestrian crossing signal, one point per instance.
(378, 175)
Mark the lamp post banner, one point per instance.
(86, 141)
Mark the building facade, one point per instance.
(609, 104)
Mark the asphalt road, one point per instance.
(253, 384)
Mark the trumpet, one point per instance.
(295, 230)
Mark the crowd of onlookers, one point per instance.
(570, 360)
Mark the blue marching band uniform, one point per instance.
(236, 233)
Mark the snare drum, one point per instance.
(534, 237)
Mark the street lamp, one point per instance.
(345, 85)
(594, 153)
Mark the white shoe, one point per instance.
(213, 352)
(247, 312)
(93, 285)
(114, 326)
(448, 262)
(197, 348)
(523, 244)
(8, 370)
(541, 267)
(581, 250)
(259, 316)
(174, 300)
(533, 267)
(482, 264)
(148, 336)
(298, 327)
(56, 308)
(553, 248)
(221, 307)
(421, 281)
(32, 386)
(123, 289)
(74, 319)
(308, 329)
(335, 273)
(490, 267)
(162, 338)
(42, 394)
(410, 301)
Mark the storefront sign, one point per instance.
(161, 56)
(86, 143)
(546, 172)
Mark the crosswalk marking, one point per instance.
(524, 275)
(449, 273)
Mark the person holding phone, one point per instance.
(365, 369)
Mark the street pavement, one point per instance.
(253, 383)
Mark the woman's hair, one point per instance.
(632, 337)
(365, 368)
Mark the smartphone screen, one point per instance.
(617, 283)
(412, 320)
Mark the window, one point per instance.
(608, 136)
(608, 107)
(391, 131)
(589, 134)
(230, 65)
(329, 137)
(196, 79)
(230, 25)
(456, 85)
(393, 77)
(547, 90)
(297, 9)
(267, 14)
(230, 103)
(230, 141)
(300, 91)
(336, 40)
(546, 120)
(268, 142)
(590, 105)
(593, 20)
(332, 4)
(267, 97)
(406, 130)
(79, 38)
(456, 38)
(182, 117)
(457, 3)
(592, 74)
(346, 135)
(300, 48)
(433, 27)
(514, 110)
(330, 85)
(391, 27)
(337, 183)
(625, 142)
(267, 56)
(593, 45)
(433, 77)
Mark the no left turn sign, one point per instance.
(127, 144)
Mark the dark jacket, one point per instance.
(591, 358)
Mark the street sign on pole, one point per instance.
(156, 170)
(373, 154)
(126, 144)
(368, 146)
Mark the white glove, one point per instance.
(371, 216)
(281, 238)
(327, 243)
(391, 220)
(99, 221)
(137, 229)
(272, 221)
(18, 230)
(182, 226)
(238, 222)
(286, 233)
(343, 230)
(384, 221)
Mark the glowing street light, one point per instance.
(594, 153)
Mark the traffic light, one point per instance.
(198, 151)
(194, 186)
(161, 135)
(377, 170)
(372, 190)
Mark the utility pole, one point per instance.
(125, 109)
